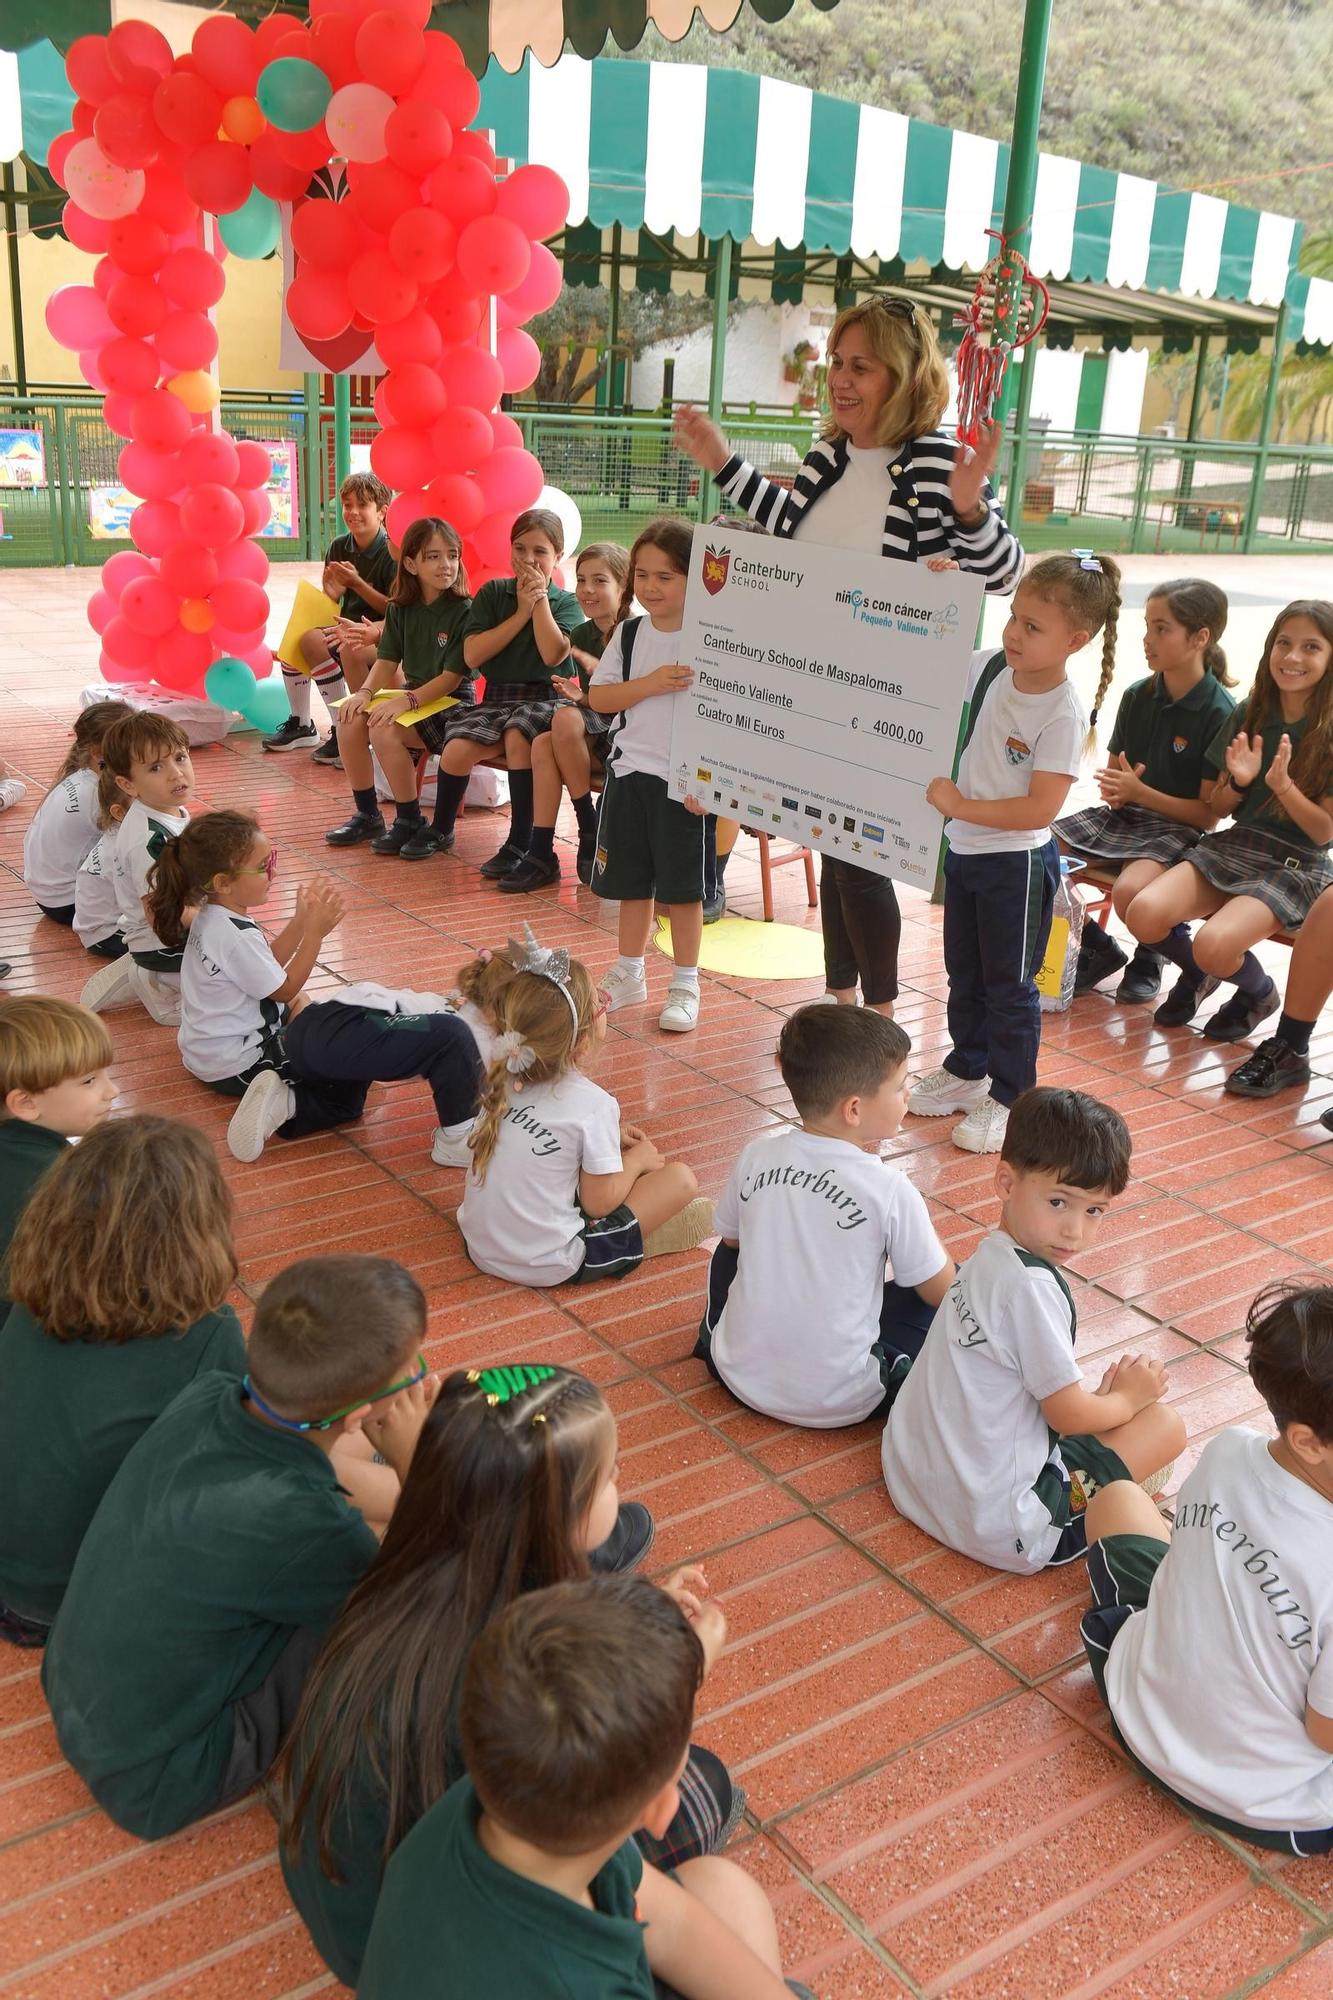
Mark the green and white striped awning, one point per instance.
(674, 147)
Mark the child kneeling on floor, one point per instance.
(559, 1187)
(575, 1719)
(1212, 1642)
(295, 1072)
(994, 1445)
(802, 1322)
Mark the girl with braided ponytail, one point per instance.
(511, 1487)
(1022, 746)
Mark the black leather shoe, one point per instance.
(1274, 1066)
(395, 838)
(534, 871)
(361, 826)
(427, 840)
(1099, 956)
(1143, 981)
(628, 1542)
(583, 865)
(1184, 1001)
(503, 859)
(715, 907)
(1241, 1015)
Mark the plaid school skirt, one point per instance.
(1251, 861)
(526, 706)
(433, 730)
(1126, 833)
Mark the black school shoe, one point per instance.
(504, 858)
(1274, 1066)
(5, 968)
(534, 871)
(628, 1542)
(1241, 1015)
(1143, 981)
(395, 838)
(426, 840)
(1099, 956)
(292, 735)
(1184, 1001)
(361, 826)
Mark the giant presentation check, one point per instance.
(827, 694)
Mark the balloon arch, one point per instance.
(171, 163)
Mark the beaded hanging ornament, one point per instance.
(1008, 309)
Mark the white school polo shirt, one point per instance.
(96, 905)
(642, 740)
(62, 831)
(965, 1441)
(523, 1221)
(227, 975)
(1209, 1684)
(140, 838)
(1015, 736)
(815, 1219)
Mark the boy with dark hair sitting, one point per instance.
(995, 1445)
(575, 1720)
(1212, 1644)
(802, 1322)
(224, 1547)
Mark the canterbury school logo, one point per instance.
(716, 564)
(1016, 750)
(1179, 743)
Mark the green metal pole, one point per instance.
(1192, 423)
(15, 285)
(1265, 431)
(613, 323)
(718, 360)
(1021, 187)
(342, 427)
(1027, 374)
(313, 513)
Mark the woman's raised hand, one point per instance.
(700, 439)
(971, 470)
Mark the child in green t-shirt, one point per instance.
(420, 659)
(575, 1719)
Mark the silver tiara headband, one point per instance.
(526, 955)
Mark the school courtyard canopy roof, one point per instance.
(819, 192)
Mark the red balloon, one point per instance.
(59, 151)
(85, 232)
(414, 396)
(402, 457)
(520, 359)
(510, 480)
(333, 49)
(135, 305)
(123, 644)
(418, 12)
(217, 176)
(403, 511)
(534, 197)
(311, 150)
(457, 499)
(162, 423)
(89, 70)
(211, 515)
(239, 603)
(493, 255)
(139, 54)
(460, 440)
(224, 50)
(105, 275)
(189, 569)
(504, 430)
(274, 174)
(121, 569)
(128, 366)
(418, 136)
(118, 414)
(101, 610)
(136, 246)
(390, 51)
(210, 459)
(187, 340)
(325, 234)
(169, 203)
(457, 314)
(149, 606)
(318, 305)
(471, 375)
(187, 108)
(243, 559)
(445, 81)
(155, 526)
(126, 131)
(422, 244)
(275, 28)
(153, 475)
(181, 659)
(415, 337)
(476, 146)
(81, 119)
(539, 290)
(492, 540)
(256, 508)
(192, 279)
(254, 464)
(462, 189)
(380, 290)
(378, 191)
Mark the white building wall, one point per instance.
(757, 338)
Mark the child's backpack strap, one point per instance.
(990, 673)
(629, 631)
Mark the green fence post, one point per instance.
(1027, 373)
(1140, 494)
(342, 428)
(718, 359)
(15, 280)
(312, 522)
(69, 495)
(1255, 505)
(1192, 423)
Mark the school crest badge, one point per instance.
(1179, 743)
(716, 564)
(1016, 750)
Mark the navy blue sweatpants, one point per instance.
(997, 918)
(332, 1054)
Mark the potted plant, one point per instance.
(795, 365)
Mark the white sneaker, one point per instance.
(939, 1093)
(112, 985)
(451, 1149)
(681, 1012)
(983, 1129)
(268, 1103)
(623, 990)
(161, 996)
(11, 791)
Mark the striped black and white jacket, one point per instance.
(920, 521)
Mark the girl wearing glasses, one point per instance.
(246, 1030)
(881, 479)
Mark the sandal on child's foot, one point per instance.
(1242, 1014)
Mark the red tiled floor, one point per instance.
(936, 1804)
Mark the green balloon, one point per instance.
(293, 94)
(253, 229)
(267, 708)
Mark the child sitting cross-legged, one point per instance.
(560, 1188)
(119, 1272)
(524, 1879)
(225, 1546)
(1212, 1642)
(147, 769)
(802, 1322)
(994, 1444)
(64, 828)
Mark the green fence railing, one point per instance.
(60, 499)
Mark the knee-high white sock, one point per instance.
(298, 693)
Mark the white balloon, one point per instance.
(570, 519)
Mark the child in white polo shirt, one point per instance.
(1212, 1644)
(802, 1322)
(995, 1444)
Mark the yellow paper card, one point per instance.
(312, 608)
(409, 715)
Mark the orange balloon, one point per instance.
(197, 390)
(197, 615)
(242, 120)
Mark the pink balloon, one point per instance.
(149, 606)
(77, 317)
(120, 642)
(260, 662)
(254, 463)
(210, 458)
(406, 509)
(256, 510)
(457, 499)
(503, 429)
(153, 475)
(534, 197)
(413, 395)
(90, 368)
(155, 526)
(121, 569)
(520, 358)
(460, 440)
(161, 420)
(85, 232)
(494, 255)
(510, 480)
(118, 414)
(402, 457)
(538, 291)
(472, 376)
(189, 569)
(98, 185)
(192, 278)
(243, 559)
(181, 659)
(238, 603)
(105, 275)
(236, 644)
(128, 366)
(117, 673)
(187, 340)
(355, 121)
(101, 610)
(212, 515)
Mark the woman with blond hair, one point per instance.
(881, 479)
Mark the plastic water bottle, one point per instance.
(1055, 981)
